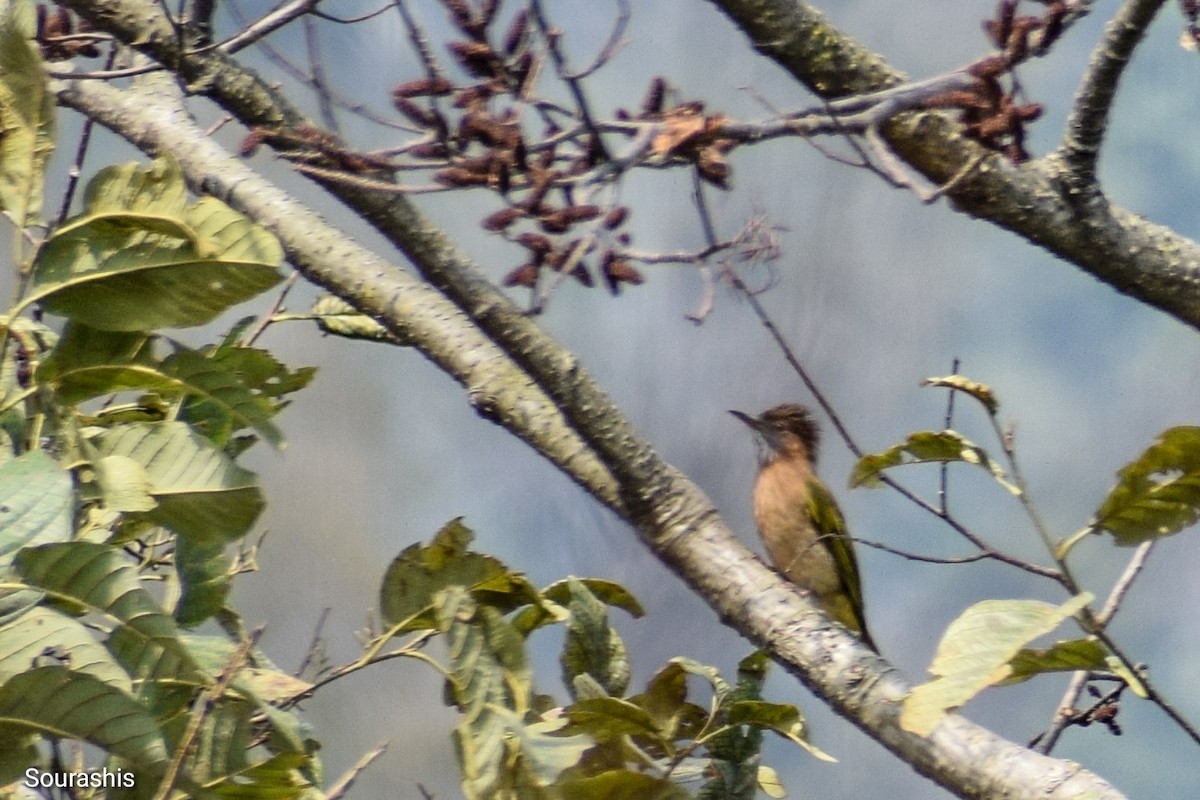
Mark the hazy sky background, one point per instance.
(875, 292)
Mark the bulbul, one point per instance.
(798, 519)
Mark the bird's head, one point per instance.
(788, 429)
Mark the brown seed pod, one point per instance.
(456, 176)
(712, 168)
(581, 213)
(525, 275)
(502, 219)
(535, 242)
(617, 270)
(477, 58)
(413, 111)
(423, 87)
(615, 218)
(989, 67)
(653, 102)
(581, 274)
(556, 221)
(252, 142)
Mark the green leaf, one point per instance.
(200, 492)
(785, 720)
(204, 575)
(665, 699)
(976, 651)
(592, 646)
(88, 363)
(1158, 494)
(609, 718)
(55, 701)
(924, 447)
(407, 598)
(43, 633)
(26, 117)
(218, 391)
(37, 505)
(488, 669)
(1060, 657)
(961, 383)
(620, 784)
(100, 579)
(545, 751)
(337, 317)
(139, 259)
(37, 502)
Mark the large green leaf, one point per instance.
(88, 362)
(592, 645)
(56, 701)
(221, 391)
(26, 115)
(99, 579)
(201, 493)
(204, 575)
(977, 651)
(37, 503)
(1158, 494)
(488, 670)
(45, 634)
(408, 596)
(924, 447)
(137, 258)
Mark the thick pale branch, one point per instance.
(1037, 201)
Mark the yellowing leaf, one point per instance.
(976, 651)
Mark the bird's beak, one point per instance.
(745, 417)
(754, 424)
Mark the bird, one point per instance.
(798, 518)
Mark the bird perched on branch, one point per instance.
(798, 519)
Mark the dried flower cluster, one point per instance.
(479, 141)
(991, 114)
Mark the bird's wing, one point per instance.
(831, 526)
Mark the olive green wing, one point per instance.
(831, 527)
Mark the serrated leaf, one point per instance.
(407, 598)
(961, 383)
(976, 651)
(487, 669)
(924, 447)
(592, 646)
(608, 718)
(1158, 494)
(220, 391)
(1060, 657)
(785, 720)
(26, 118)
(58, 702)
(137, 258)
(200, 492)
(664, 699)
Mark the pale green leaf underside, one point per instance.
(1158, 494)
(975, 652)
